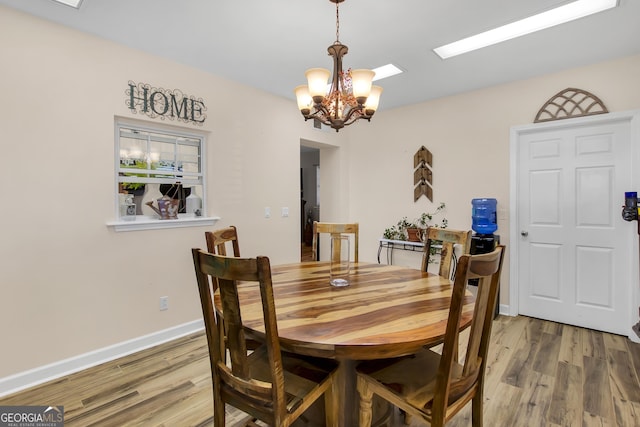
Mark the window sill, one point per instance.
(152, 223)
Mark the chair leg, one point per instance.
(366, 397)
(218, 412)
(476, 409)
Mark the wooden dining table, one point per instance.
(386, 311)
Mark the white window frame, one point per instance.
(169, 135)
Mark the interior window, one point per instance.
(158, 165)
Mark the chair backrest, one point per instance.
(217, 241)
(449, 238)
(234, 383)
(452, 385)
(334, 229)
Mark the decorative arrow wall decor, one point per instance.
(422, 174)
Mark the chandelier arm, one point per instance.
(320, 113)
(323, 115)
(357, 111)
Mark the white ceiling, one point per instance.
(269, 44)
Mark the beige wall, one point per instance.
(71, 285)
(468, 135)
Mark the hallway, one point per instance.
(305, 253)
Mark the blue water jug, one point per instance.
(483, 216)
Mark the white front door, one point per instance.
(574, 257)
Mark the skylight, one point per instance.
(72, 3)
(560, 15)
(386, 71)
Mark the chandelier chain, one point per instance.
(337, 23)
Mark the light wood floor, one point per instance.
(539, 374)
(306, 253)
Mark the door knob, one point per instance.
(524, 233)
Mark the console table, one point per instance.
(404, 245)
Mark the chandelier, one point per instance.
(351, 96)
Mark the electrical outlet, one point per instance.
(164, 303)
(285, 212)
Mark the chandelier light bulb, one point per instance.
(305, 102)
(373, 100)
(317, 79)
(361, 81)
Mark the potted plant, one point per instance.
(413, 231)
(136, 188)
(424, 220)
(398, 231)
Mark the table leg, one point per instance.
(347, 394)
(349, 399)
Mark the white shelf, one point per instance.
(153, 223)
(401, 242)
(403, 245)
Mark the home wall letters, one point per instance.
(165, 103)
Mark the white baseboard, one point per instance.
(505, 310)
(42, 374)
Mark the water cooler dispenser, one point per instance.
(483, 239)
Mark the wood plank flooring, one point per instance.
(539, 374)
(306, 253)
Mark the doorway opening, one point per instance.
(309, 197)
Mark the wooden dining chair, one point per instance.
(334, 229)
(448, 238)
(218, 240)
(432, 386)
(272, 386)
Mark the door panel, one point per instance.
(594, 277)
(573, 267)
(545, 282)
(593, 185)
(545, 197)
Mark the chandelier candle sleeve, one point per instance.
(371, 105)
(361, 81)
(317, 79)
(305, 102)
